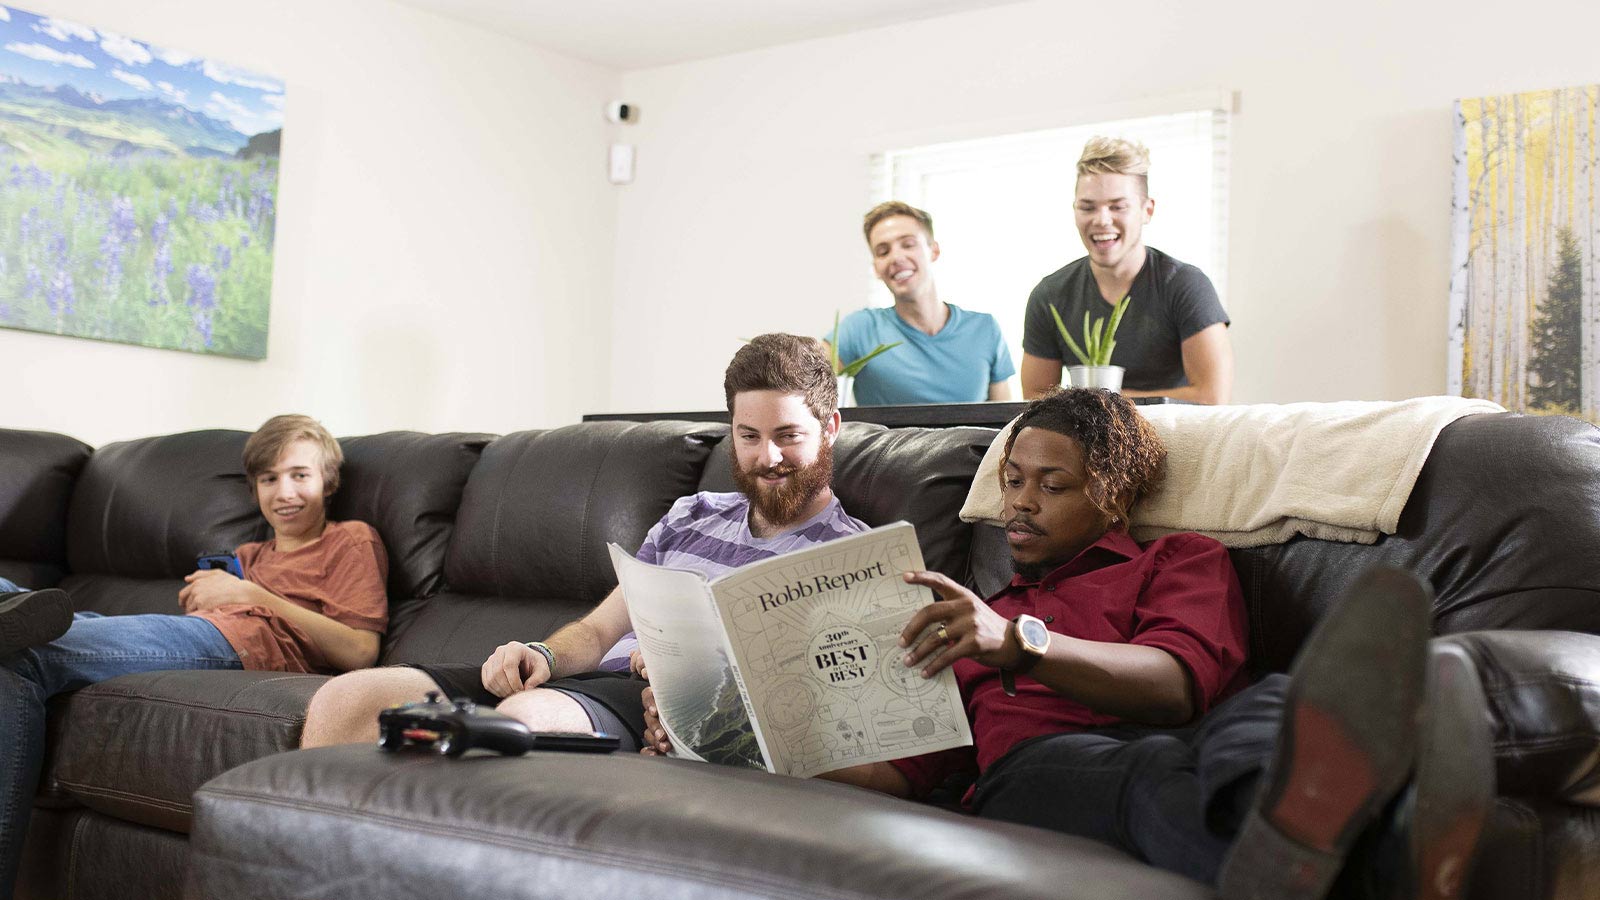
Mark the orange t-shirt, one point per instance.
(341, 576)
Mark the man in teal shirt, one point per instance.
(946, 354)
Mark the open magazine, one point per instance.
(793, 663)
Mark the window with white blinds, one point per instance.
(1002, 206)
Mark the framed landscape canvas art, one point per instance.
(1524, 310)
(138, 190)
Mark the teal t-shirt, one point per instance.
(956, 365)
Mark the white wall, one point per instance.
(444, 238)
(753, 169)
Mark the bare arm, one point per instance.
(1039, 375)
(1207, 363)
(345, 647)
(577, 646)
(1129, 681)
(1000, 391)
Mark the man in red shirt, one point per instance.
(1104, 690)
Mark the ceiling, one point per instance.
(637, 34)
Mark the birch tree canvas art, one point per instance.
(1524, 316)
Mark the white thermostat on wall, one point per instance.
(621, 171)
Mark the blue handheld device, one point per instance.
(225, 561)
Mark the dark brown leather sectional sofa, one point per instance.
(174, 784)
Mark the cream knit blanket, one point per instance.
(1260, 474)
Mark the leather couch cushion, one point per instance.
(1537, 850)
(883, 475)
(149, 508)
(136, 747)
(466, 628)
(540, 506)
(95, 857)
(1491, 524)
(37, 472)
(1543, 689)
(576, 825)
(408, 486)
(113, 595)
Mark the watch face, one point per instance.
(1033, 632)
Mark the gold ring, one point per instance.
(942, 633)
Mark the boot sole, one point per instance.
(34, 618)
(1455, 779)
(1347, 741)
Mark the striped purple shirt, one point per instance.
(710, 534)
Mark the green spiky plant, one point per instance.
(852, 369)
(1099, 338)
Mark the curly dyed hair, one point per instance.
(1124, 457)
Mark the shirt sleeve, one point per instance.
(1001, 367)
(1195, 305)
(661, 533)
(354, 591)
(1040, 337)
(930, 770)
(855, 333)
(1193, 608)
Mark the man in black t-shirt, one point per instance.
(1173, 340)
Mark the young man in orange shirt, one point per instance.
(312, 599)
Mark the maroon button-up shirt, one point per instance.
(1179, 593)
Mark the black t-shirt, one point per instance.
(1172, 301)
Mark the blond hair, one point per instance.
(894, 208)
(1116, 156)
(262, 450)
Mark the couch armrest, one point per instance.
(1543, 689)
(136, 747)
(546, 825)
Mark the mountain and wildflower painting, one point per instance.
(138, 190)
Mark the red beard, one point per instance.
(780, 506)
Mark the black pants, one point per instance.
(1174, 798)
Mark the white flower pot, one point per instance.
(1108, 377)
(847, 391)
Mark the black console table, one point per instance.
(929, 415)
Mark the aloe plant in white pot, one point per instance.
(1099, 340)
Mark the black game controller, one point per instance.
(451, 728)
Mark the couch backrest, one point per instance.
(142, 511)
(510, 544)
(37, 472)
(1503, 522)
(408, 485)
(529, 547)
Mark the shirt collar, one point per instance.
(1113, 546)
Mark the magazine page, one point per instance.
(815, 639)
(681, 639)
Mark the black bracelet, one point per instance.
(544, 651)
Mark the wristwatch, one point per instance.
(1034, 639)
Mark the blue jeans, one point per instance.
(1174, 798)
(94, 649)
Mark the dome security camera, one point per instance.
(622, 113)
